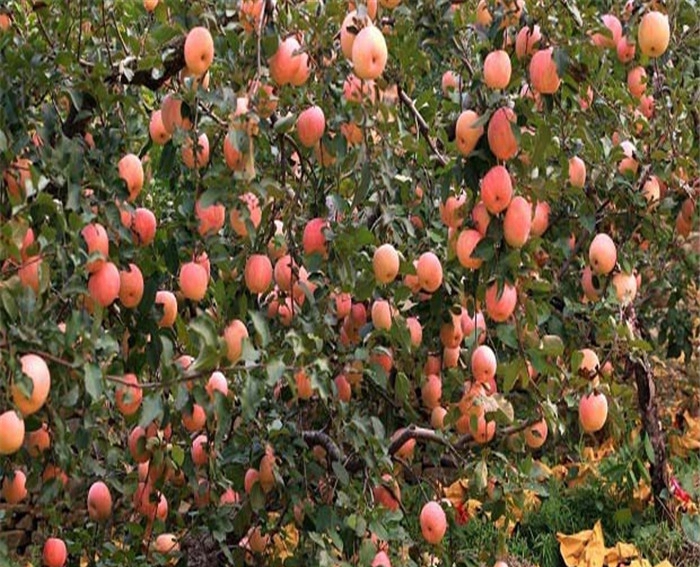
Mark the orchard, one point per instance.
(335, 283)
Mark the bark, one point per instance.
(648, 407)
(640, 368)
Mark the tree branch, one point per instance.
(466, 441)
(313, 438)
(422, 124)
(79, 118)
(417, 433)
(172, 65)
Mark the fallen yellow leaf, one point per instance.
(681, 445)
(457, 491)
(587, 549)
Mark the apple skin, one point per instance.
(99, 502)
(55, 553)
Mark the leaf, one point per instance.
(178, 455)
(402, 387)
(167, 159)
(286, 123)
(261, 327)
(151, 410)
(340, 473)
(543, 140)
(649, 450)
(363, 186)
(691, 527)
(552, 345)
(93, 381)
(275, 370)
(481, 475)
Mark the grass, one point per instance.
(534, 541)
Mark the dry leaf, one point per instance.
(587, 549)
(457, 491)
(690, 440)
(286, 541)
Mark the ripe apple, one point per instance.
(38, 440)
(169, 302)
(653, 34)
(500, 308)
(496, 189)
(497, 69)
(381, 314)
(234, 334)
(128, 398)
(483, 363)
(502, 140)
(602, 254)
(311, 125)
(104, 284)
(314, 239)
(55, 553)
(544, 77)
(99, 502)
(429, 272)
(536, 434)
(517, 223)
(193, 281)
(593, 412)
(369, 53)
(131, 286)
(37, 371)
(433, 523)
(200, 450)
(466, 134)
(97, 241)
(211, 218)
(527, 40)
(156, 128)
(14, 489)
(131, 171)
(387, 496)
(199, 50)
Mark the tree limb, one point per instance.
(172, 65)
(79, 118)
(422, 124)
(418, 433)
(319, 438)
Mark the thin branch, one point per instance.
(422, 125)
(421, 434)
(467, 441)
(172, 65)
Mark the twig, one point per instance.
(467, 441)
(172, 64)
(421, 434)
(422, 124)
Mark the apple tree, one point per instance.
(273, 275)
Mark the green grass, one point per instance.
(534, 541)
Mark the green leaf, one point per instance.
(261, 327)
(402, 387)
(94, 383)
(178, 455)
(649, 450)
(286, 123)
(340, 473)
(275, 370)
(481, 474)
(151, 410)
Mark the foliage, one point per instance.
(79, 82)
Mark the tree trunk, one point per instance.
(646, 397)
